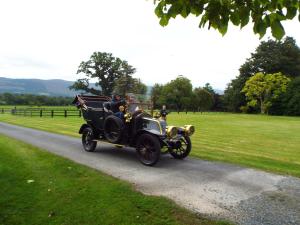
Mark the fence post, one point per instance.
(79, 113)
(66, 113)
(41, 113)
(52, 113)
(2, 110)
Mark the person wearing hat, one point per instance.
(164, 112)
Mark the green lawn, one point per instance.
(40, 188)
(270, 143)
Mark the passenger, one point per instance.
(120, 114)
(116, 103)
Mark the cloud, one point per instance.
(24, 63)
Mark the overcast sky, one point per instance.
(48, 40)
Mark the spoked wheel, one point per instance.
(182, 148)
(148, 149)
(87, 140)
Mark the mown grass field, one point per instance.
(270, 143)
(40, 188)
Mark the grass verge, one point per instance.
(40, 188)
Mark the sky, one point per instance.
(48, 40)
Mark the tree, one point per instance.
(178, 92)
(262, 89)
(209, 88)
(203, 100)
(139, 87)
(288, 103)
(128, 84)
(269, 57)
(219, 13)
(157, 95)
(292, 98)
(104, 67)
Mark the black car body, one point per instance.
(150, 136)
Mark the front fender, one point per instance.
(83, 126)
(159, 136)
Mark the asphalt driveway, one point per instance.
(241, 195)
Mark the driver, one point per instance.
(114, 105)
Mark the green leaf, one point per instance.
(235, 18)
(174, 10)
(184, 11)
(244, 16)
(277, 29)
(261, 29)
(223, 29)
(158, 11)
(203, 21)
(291, 12)
(164, 21)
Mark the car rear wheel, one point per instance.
(113, 129)
(87, 140)
(148, 149)
(182, 148)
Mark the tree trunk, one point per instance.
(262, 107)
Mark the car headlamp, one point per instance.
(171, 131)
(189, 130)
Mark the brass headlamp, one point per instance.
(189, 130)
(171, 131)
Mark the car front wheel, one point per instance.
(148, 149)
(182, 148)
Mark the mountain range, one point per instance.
(55, 87)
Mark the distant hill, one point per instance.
(54, 87)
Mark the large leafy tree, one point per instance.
(106, 69)
(269, 57)
(261, 89)
(218, 14)
(178, 93)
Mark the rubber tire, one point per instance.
(91, 146)
(118, 124)
(156, 149)
(186, 151)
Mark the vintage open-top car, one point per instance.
(136, 129)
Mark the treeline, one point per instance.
(179, 95)
(34, 100)
(268, 82)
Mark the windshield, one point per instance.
(152, 124)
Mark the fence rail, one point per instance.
(48, 112)
(41, 112)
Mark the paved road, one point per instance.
(241, 195)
